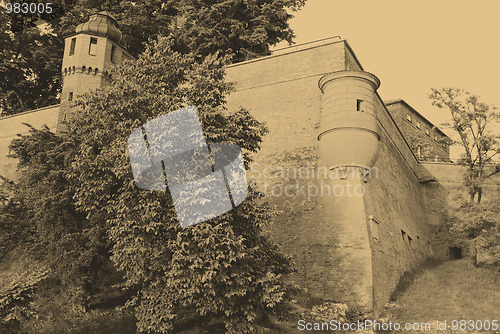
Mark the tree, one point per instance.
(222, 273)
(475, 122)
(30, 66)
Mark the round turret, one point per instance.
(349, 131)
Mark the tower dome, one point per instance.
(102, 24)
(349, 131)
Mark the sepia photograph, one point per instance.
(249, 166)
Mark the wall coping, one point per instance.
(30, 111)
(293, 49)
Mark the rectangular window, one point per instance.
(70, 96)
(72, 47)
(428, 132)
(403, 235)
(408, 118)
(435, 138)
(93, 46)
(360, 105)
(113, 53)
(419, 125)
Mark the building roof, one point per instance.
(102, 24)
(416, 112)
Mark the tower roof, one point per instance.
(102, 24)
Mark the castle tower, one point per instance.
(349, 133)
(89, 54)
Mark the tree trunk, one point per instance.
(479, 195)
(472, 195)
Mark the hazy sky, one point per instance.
(413, 46)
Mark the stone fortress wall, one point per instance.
(347, 248)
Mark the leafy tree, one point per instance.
(475, 122)
(30, 65)
(219, 274)
(52, 230)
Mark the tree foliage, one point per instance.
(481, 223)
(477, 126)
(88, 211)
(30, 65)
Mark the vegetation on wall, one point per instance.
(97, 232)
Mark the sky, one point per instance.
(413, 46)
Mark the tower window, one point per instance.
(435, 137)
(113, 53)
(360, 105)
(419, 125)
(93, 46)
(408, 118)
(72, 46)
(70, 96)
(427, 131)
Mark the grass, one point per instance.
(449, 290)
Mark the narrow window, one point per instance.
(93, 46)
(409, 240)
(113, 54)
(72, 47)
(360, 105)
(428, 132)
(70, 96)
(418, 125)
(408, 118)
(435, 138)
(403, 235)
(374, 227)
